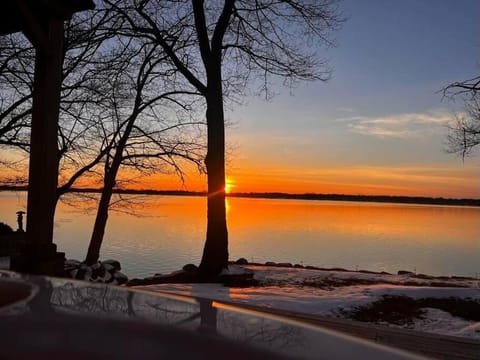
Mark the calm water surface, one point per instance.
(168, 232)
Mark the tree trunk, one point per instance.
(108, 184)
(215, 252)
(100, 220)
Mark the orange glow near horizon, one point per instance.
(245, 177)
(351, 181)
(229, 186)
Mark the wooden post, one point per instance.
(40, 255)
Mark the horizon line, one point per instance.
(407, 199)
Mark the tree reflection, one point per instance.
(201, 315)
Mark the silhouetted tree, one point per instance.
(217, 46)
(80, 95)
(150, 122)
(119, 107)
(464, 133)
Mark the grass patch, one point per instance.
(401, 310)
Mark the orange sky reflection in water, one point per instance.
(169, 232)
(349, 218)
(353, 218)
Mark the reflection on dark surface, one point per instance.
(208, 316)
(41, 303)
(64, 316)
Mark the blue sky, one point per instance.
(378, 126)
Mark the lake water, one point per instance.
(168, 232)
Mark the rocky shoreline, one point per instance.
(189, 274)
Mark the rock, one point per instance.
(68, 266)
(270, 263)
(94, 276)
(107, 278)
(80, 275)
(72, 262)
(241, 261)
(88, 273)
(119, 278)
(190, 268)
(114, 263)
(285, 264)
(108, 267)
(101, 271)
(404, 272)
(299, 266)
(98, 271)
(96, 266)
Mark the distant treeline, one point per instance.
(364, 198)
(279, 195)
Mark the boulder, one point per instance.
(108, 267)
(80, 274)
(114, 263)
(72, 262)
(73, 273)
(241, 261)
(270, 263)
(404, 272)
(190, 268)
(119, 278)
(107, 278)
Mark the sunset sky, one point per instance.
(378, 126)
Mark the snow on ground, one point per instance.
(286, 289)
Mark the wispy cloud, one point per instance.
(407, 125)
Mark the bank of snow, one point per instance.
(335, 293)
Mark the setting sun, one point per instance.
(228, 186)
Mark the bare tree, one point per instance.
(218, 46)
(120, 106)
(464, 132)
(80, 93)
(150, 121)
(17, 58)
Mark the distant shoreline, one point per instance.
(421, 200)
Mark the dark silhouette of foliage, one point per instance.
(464, 133)
(5, 229)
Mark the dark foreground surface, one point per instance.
(59, 318)
(427, 344)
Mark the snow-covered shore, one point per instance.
(336, 293)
